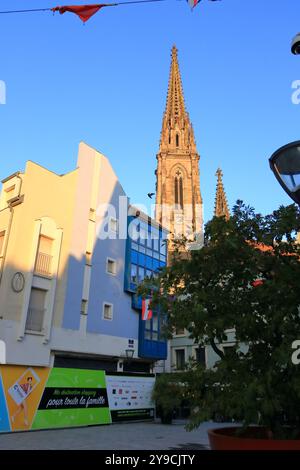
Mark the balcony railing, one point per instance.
(35, 319)
(43, 264)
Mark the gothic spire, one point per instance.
(177, 131)
(175, 101)
(221, 206)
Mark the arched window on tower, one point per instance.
(169, 137)
(177, 140)
(178, 189)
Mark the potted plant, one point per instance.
(167, 394)
(242, 286)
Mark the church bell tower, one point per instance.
(178, 196)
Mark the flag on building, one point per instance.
(83, 11)
(146, 309)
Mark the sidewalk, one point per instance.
(121, 436)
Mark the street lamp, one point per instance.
(295, 48)
(129, 354)
(285, 164)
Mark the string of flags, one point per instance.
(85, 12)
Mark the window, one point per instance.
(141, 274)
(200, 356)
(111, 266)
(113, 224)
(156, 244)
(152, 328)
(36, 310)
(177, 140)
(180, 359)
(133, 274)
(107, 311)
(229, 350)
(178, 189)
(149, 241)
(179, 331)
(44, 256)
(148, 273)
(163, 246)
(155, 322)
(2, 235)
(143, 234)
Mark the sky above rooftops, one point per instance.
(106, 83)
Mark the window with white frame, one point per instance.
(36, 310)
(43, 263)
(107, 311)
(111, 266)
(180, 359)
(200, 355)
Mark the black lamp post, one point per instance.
(285, 164)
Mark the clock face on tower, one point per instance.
(18, 282)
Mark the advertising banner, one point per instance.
(130, 397)
(73, 397)
(22, 388)
(39, 398)
(44, 398)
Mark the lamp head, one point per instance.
(295, 48)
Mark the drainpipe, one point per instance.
(6, 241)
(11, 208)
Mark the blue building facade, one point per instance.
(102, 314)
(146, 254)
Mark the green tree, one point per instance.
(212, 291)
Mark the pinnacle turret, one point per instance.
(221, 206)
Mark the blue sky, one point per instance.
(106, 83)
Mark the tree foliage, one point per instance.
(211, 291)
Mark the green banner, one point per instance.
(73, 397)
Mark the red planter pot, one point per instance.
(254, 438)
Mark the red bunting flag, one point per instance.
(193, 3)
(83, 11)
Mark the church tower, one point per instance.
(178, 196)
(221, 206)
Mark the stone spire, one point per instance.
(178, 195)
(177, 130)
(221, 206)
